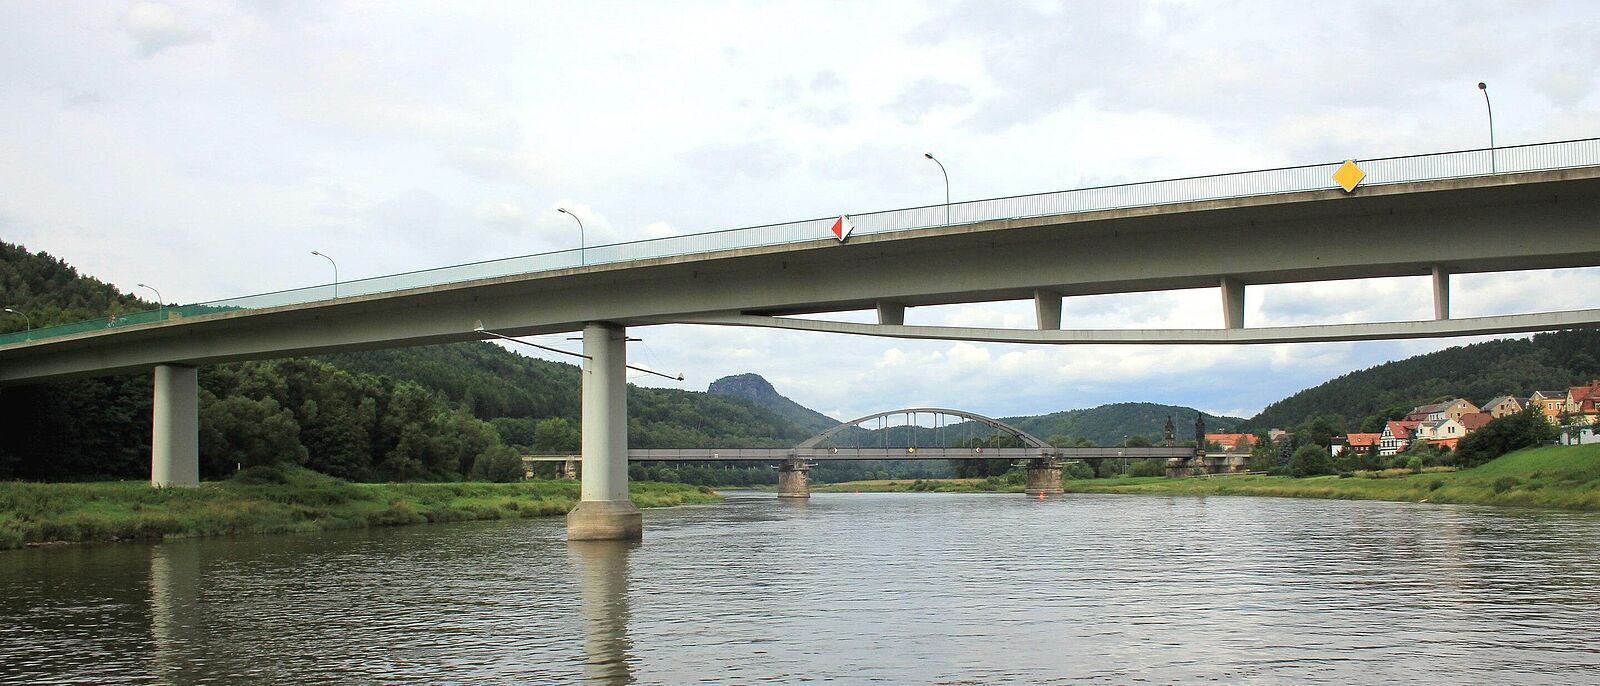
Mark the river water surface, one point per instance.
(848, 589)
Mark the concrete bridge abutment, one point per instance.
(604, 511)
(1043, 477)
(794, 479)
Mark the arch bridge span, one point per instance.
(811, 449)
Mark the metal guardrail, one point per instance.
(1381, 171)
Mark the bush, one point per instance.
(1310, 460)
(1505, 483)
(1524, 429)
(1152, 467)
(1077, 470)
(1414, 463)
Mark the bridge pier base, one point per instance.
(794, 479)
(1043, 477)
(604, 511)
(175, 427)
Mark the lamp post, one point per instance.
(27, 321)
(930, 156)
(1493, 168)
(335, 272)
(161, 303)
(581, 240)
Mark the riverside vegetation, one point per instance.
(281, 499)
(1561, 477)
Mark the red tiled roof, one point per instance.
(1472, 421)
(1363, 440)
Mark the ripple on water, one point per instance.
(875, 588)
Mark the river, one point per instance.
(848, 589)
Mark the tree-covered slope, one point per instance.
(1478, 372)
(1108, 424)
(758, 390)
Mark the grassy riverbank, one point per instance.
(1550, 477)
(281, 502)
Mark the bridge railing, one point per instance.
(1380, 171)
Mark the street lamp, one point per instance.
(930, 156)
(335, 272)
(581, 240)
(161, 303)
(28, 321)
(1493, 168)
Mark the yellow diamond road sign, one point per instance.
(1349, 175)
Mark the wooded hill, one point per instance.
(1360, 400)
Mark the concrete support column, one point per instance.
(1441, 293)
(1043, 477)
(1232, 303)
(604, 511)
(569, 470)
(891, 313)
(794, 479)
(175, 427)
(1047, 307)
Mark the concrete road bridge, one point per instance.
(1503, 209)
(1041, 461)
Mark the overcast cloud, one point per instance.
(207, 147)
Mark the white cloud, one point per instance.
(157, 27)
(451, 133)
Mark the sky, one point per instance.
(206, 148)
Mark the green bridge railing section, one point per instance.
(1388, 170)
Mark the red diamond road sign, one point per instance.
(842, 228)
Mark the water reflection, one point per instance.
(602, 572)
(174, 593)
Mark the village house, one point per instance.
(1503, 406)
(1397, 436)
(1450, 409)
(1233, 443)
(1357, 443)
(1551, 403)
(1439, 430)
(1581, 406)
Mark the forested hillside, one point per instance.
(1478, 372)
(1109, 424)
(758, 390)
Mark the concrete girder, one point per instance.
(1499, 223)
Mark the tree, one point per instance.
(556, 435)
(498, 463)
(1524, 429)
(1310, 460)
(241, 431)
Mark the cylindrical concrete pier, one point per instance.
(794, 479)
(1043, 477)
(175, 427)
(604, 511)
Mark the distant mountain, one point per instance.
(1478, 372)
(1108, 424)
(754, 388)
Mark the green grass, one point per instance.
(281, 501)
(1558, 477)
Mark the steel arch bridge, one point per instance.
(1034, 448)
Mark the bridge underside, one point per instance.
(1493, 223)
